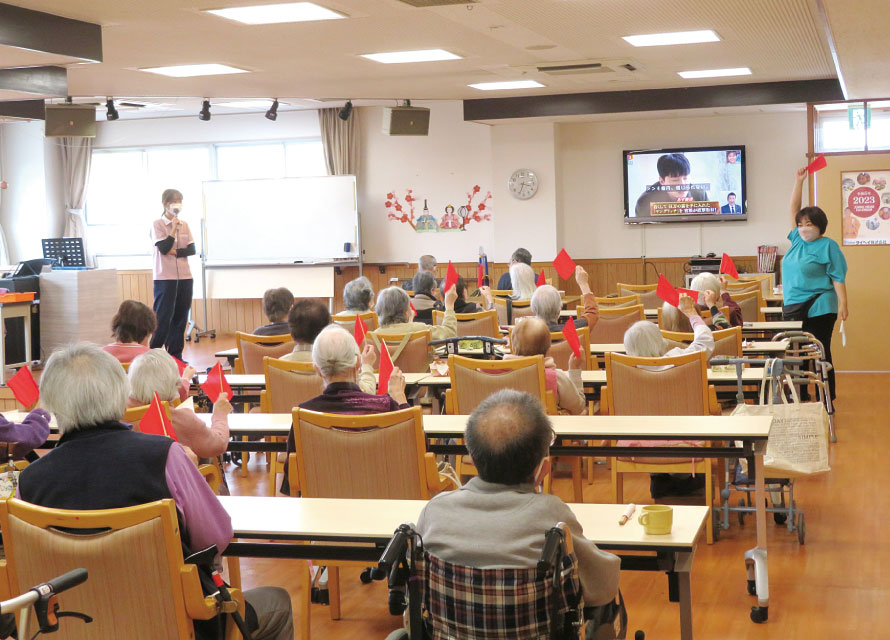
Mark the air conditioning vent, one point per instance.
(424, 4)
(618, 66)
(571, 69)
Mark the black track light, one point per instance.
(272, 113)
(204, 114)
(346, 111)
(110, 112)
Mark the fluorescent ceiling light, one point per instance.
(422, 55)
(677, 37)
(192, 70)
(715, 73)
(245, 104)
(277, 13)
(512, 84)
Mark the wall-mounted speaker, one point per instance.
(70, 120)
(406, 121)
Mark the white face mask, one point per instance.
(808, 234)
(174, 209)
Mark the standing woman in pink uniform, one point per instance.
(173, 244)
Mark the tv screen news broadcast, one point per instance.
(693, 184)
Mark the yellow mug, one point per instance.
(656, 519)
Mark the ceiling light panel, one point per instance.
(193, 70)
(278, 13)
(501, 86)
(715, 73)
(421, 55)
(677, 37)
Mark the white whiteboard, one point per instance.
(280, 220)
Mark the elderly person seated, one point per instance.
(498, 519)
(131, 328)
(28, 435)
(643, 339)
(425, 263)
(335, 357)
(276, 304)
(462, 306)
(86, 390)
(531, 337)
(522, 277)
(357, 296)
(547, 303)
(156, 372)
(394, 311)
(425, 297)
(709, 282)
(306, 320)
(520, 255)
(673, 319)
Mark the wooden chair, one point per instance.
(139, 586)
(252, 349)
(560, 350)
(613, 323)
(502, 293)
(619, 301)
(742, 286)
(509, 310)
(750, 302)
(679, 389)
(288, 384)
(410, 352)
(379, 456)
(348, 321)
(481, 323)
(765, 281)
(705, 315)
(134, 415)
(126, 366)
(648, 298)
(727, 342)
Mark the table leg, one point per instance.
(756, 559)
(26, 321)
(683, 573)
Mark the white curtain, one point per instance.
(4, 248)
(76, 157)
(340, 141)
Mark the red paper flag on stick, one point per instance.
(564, 265)
(571, 336)
(156, 421)
(24, 388)
(450, 277)
(411, 306)
(727, 266)
(689, 292)
(360, 331)
(179, 364)
(665, 290)
(817, 164)
(480, 277)
(385, 370)
(542, 280)
(216, 384)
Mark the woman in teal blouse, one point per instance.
(814, 272)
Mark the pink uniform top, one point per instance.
(126, 352)
(169, 267)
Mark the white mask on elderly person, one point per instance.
(808, 234)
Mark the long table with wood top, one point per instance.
(266, 528)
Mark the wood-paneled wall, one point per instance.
(228, 316)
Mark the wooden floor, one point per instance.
(836, 586)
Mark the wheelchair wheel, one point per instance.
(759, 614)
(780, 518)
(801, 529)
(741, 513)
(365, 576)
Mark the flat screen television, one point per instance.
(690, 184)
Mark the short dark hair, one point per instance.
(673, 164)
(423, 282)
(730, 194)
(460, 287)
(522, 255)
(814, 215)
(133, 322)
(170, 195)
(507, 436)
(307, 318)
(277, 302)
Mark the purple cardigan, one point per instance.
(30, 434)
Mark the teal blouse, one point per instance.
(810, 269)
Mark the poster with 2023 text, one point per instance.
(866, 203)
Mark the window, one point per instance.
(304, 158)
(244, 161)
(852, 126)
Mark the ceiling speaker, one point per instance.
(406, 121)
(77, 121)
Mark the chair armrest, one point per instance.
(293, 475)
(211, 475)
(433, 482)
(264, 401)
(550, 403)
(197, 606)
(713, 406)
(4, 581)
(238, 366)
(605, 401)
(449, 402)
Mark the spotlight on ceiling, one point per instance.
(110, 112)
(272, 113)
(346, 111)
(204, 113)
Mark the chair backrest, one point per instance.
(288, 384)
(472, 380)
(252, 349)
(482, 323)
(503, 293)
(619, 301)
(675, 386)
(727, 342)
(613, 323)
(765, 281)
(126, 365)
(410, 352)
(509, 310)
(648, 298)
(138, 585)
(369, 456)
(134, 415)
(348, 321)
(742, 286)
(750, 303)
(560, 349)
(705, 315)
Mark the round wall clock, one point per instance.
(523, 184)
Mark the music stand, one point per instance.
(68, 251)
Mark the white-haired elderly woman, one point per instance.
(547, 303)
(644, 339)
(522, 277)
(394, 312)
(101, 463)
(156, 372)
(706, 281)
(357, 296)
(673, 319)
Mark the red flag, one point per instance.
(450, 277)
(216, 384)
(360, 331)
(564, 265)
(180, 364)
(727, 266)
(413, 310)
(480, 277)
(689, 292)
(385, 370)
(542, 280)
(571, 336)
(817, 164)
(666, 291)
(23, 387)
(156, 421)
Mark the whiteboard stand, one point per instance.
(200, 333)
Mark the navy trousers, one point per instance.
(173, 299)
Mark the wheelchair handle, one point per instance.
(552, 550)
(395, 549)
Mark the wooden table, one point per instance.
(228, 354)
(341, 523)
(771, 311)
(771, 326)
